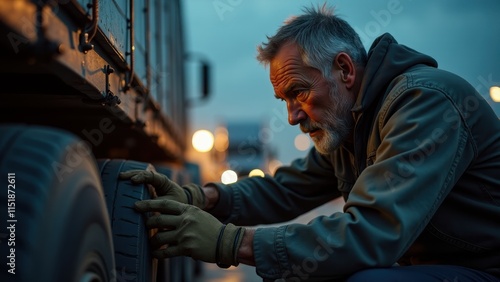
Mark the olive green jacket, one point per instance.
(421, 181)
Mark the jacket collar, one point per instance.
(386, 60)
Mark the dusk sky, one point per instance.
(463, 36)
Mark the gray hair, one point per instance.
(320, 36)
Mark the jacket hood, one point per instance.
(386, 60)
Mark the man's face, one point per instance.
(313, 101)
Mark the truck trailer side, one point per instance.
(89, 89)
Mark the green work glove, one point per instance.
(187, 230)
(167, 189)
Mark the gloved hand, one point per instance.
(167, 189)
(190, 231)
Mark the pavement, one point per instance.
(245, 273)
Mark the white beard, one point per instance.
(337, 124)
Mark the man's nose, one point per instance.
(295, 114)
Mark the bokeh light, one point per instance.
(229, 176)
(302, 142)
(221, 139)
(495, 93)
(203, 140)
(256, 172)
(274, 165)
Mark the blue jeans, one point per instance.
(422, 273)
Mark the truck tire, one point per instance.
(130, 235)
(58, 228)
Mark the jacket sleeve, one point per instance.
(424, 148)
(292, 191)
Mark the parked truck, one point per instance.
(89, 89)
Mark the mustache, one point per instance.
(307, 126)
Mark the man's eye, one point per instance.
(300, 94)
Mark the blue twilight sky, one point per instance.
(462, 35)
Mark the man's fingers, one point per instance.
(165, 237)
(160, 182)
(162, 206)
(138, 176)
(163, 185)
(167, 221)
(128, 174)
(142, 177)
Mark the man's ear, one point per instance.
(344, 66)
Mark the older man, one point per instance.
(413, 150)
